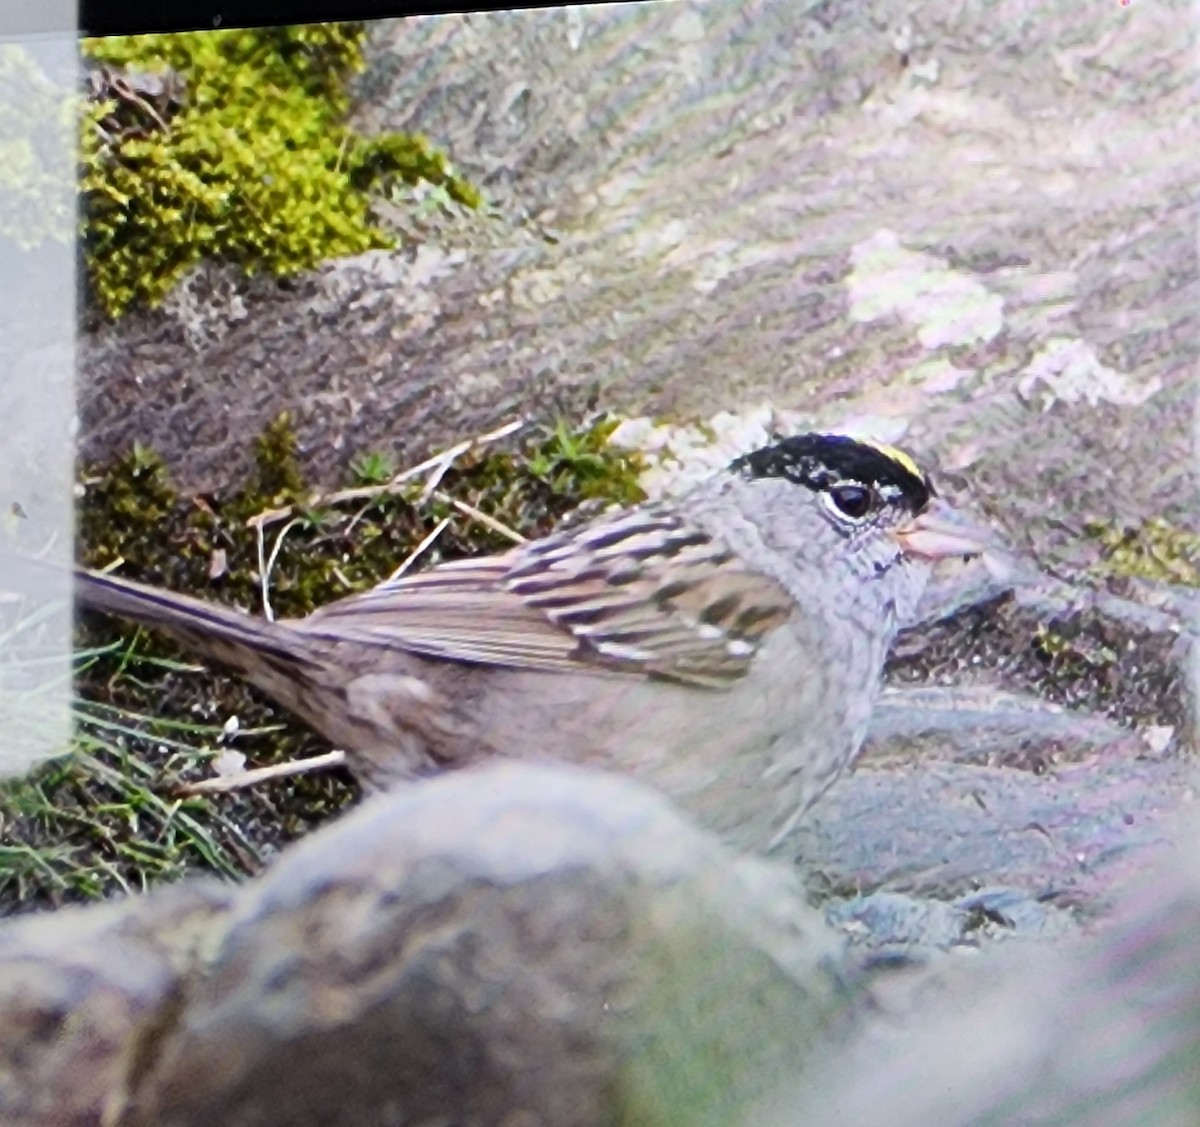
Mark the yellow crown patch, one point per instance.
(897, 455)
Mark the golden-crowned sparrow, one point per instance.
(726, 647)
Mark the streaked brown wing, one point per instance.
(641, 593)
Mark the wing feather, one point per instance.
(642, 593)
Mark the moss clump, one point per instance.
(104, 819)
(579, 464)
(122, 502)
(232, 145)
(1157, 551)
(277, 475)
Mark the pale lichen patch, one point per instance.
(945, 306)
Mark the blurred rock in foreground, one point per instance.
(517, 944)
(523, 944)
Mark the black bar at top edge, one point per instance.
(122, 17)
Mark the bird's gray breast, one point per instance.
(741, 760)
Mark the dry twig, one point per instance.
(223, 784)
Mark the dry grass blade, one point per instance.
(264, 570)
(416, 553)
(487, 522)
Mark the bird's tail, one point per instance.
(240, 641)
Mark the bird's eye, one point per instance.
(853, 501)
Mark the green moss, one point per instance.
(239, 153)
(102, 819)
(1157, 551)
(580, 463)
(277, 476)
(121, 503)
(406, 158)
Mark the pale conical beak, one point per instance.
(941, 532)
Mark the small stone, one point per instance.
(1158, 737)
(229, 763)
